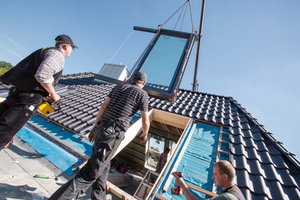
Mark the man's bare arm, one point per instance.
(50, 89)
(145, 125)
(99, 116)
(187, 193)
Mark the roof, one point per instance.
(264, 167)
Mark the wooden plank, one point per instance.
(160, 197)
(170, 118)
(131, 133)
(211, 194)
(118, 192)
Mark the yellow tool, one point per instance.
(45, 108)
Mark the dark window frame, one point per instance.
(170, 94)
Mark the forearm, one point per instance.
(145, 125)
(99, 116)
(49, 88)
(101, 111)
(187, 193)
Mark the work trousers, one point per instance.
(15, 111)
(107, 138)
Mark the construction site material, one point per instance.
(118, 179)
(118, 192)
(53, 176)
(211, 194)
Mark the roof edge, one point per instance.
(279, 145)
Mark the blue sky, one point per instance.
(250, 49)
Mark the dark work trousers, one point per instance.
(107, 138)
(15, 111)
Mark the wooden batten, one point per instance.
(118, 192)
(170, 118)
(211, 194)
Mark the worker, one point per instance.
(112, 121)
(223, 174)
(32, 79)
(162, 160)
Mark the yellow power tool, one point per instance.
(46, 107)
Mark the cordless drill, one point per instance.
(177, 190)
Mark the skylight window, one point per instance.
(164, 61)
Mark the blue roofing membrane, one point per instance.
(197, 161)
(64, 161)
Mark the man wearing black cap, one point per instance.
(112, 121)
(31, 80)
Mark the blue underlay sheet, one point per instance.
(50, 151)
(56, 155)
(197, 161)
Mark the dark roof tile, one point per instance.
(69, 121)
(276, 188)
(259, 185)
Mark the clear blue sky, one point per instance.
(250, 49)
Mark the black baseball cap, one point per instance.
(64, 39)
(140, 76)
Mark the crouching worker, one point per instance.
(112, 121)
(223, 175)
(31, 80)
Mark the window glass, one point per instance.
(155, 148)
(162, 62)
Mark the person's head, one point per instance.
(66, 44)
(224, 173)
(167, 150)
(139, 78)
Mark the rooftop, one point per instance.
(265, 168)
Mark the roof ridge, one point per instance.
(278, 144)
(204, 93)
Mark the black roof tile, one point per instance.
(265, 157)
(251, 153)
(88, 127)
(259, 185)
(243, 182)
(255, 167)
(270, 172)
(287, 179)
(62, 120)
(291, 192)
(69, 122)
(276, 188)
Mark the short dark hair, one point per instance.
(226, 167)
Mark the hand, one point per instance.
(144, 136)
(91, 135)
(179, 181)
(56, 99)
